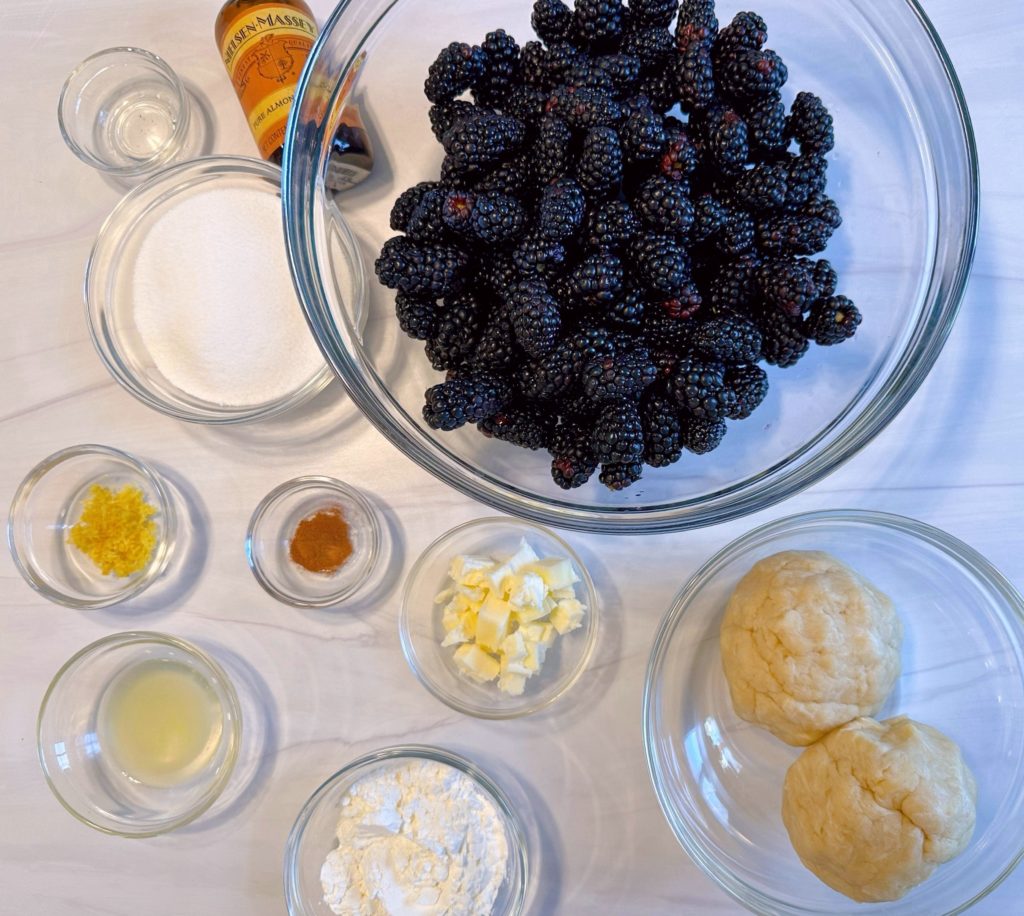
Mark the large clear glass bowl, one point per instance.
(719, 779)
(904, 173)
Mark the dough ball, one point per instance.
(875, 807)
(807, 645)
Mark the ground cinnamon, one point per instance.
(321, 542)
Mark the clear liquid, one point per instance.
(139, 124)
(160, 722)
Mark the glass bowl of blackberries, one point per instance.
(632, 267)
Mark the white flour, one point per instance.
(415, 839)
(214, 302)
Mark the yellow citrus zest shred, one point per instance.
(116, 530)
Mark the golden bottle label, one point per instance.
(264, 50)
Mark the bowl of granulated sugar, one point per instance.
(190, 298)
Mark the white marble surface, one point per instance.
(335, 685)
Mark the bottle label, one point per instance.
(264, 50)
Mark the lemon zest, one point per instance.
(116, 530)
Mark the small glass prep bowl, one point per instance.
(421, 630)
(80, 769)
(314, 834)
(268, 541)
(904, 173)
(110, 304)
(49, 502)
(719, 779)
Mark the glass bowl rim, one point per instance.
(233, 736)
(956, 550)
(295, 485)
(510, 818)
(120, 223)
(300, 184)
(165, 152)
(161, 555)
(404, 615)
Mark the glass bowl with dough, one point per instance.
(719, 779)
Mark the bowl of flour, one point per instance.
(407, 830)
(190, 298)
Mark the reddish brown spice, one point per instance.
(321, 542)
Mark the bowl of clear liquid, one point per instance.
(138, 733)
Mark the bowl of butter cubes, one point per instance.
(499, 618)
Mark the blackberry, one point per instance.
(611, 225)
(643, 134)
(444, 117)
(589, 344)
(598, 278)
(622, 375)
(627, 312)
(653, 47)
(511, 179)
(698, 387)
(453, 404)
(783, 341)
(664, 206)
(823, 208)
(663, 443)
(832, 321)
(763, 187)
(501, 69)
(825, 278)
(748, 73)
(455, 69)
(622, 69)
(662, 332)
(733, 286)
(679, 160)
(662, 264)
(766, 123)
(618, 434)
(459, 324)
(725, 137)
(487, 218)
(736, 236)
(586, 73)
(599, 23)
(807, 176)
(558, 61)
(552, 20)
(599, 168)
(695, 78)
(427, 223)
(483, 140)
(533, 59)
(562, 206)
(709, 216)
(619, 476)
(536, 317)
(653, 13)
(421, 269)
(550, 151)
(697, 24)
(523, 423)
(417, 316)
(685, 304)
(728, 339)
(407, 202)
(497, 272)
(665, 361)
(496, 348)
(573, 460)
(790, 234)
(584, 108)
(659, 88)
(527, 104)
(550, 377)
(702, 436)
(456, 174)
(536, 256)
(810, 124)
(747, 31)
(788, 285)
(749, 383)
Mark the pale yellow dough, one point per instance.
(807, 645)
(875, 807)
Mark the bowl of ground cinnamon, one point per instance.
(313, 542)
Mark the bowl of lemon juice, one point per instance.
(138, 733)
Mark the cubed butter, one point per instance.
(492, 622)
(477, 664)
(557, 572)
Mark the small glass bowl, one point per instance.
(82, 772)
(719, 779)
(124, 111)
(49, 502)
(421, 631)
(268, 541)
(109, 297)
(314, 834)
